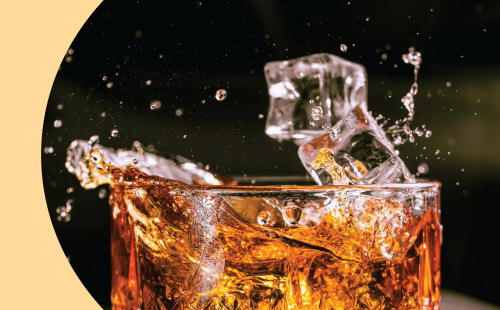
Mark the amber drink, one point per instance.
(177, 246)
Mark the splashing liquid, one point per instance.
(401, 132)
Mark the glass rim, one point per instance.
(422, 184)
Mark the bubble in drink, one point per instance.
(135, 161)
(343, 47)
(292, 212)
(317, 113)
(428, 134)
(155, 105)
(114, 133)
(57, 123)
(264, 218)
(221, 94)
(423, 168)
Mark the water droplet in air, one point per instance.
(368, 18)
(428, 134)
(326, 128)
(198, 4)
(261, 116)
(58, 123)
(48, 150)
(104, 78)
(423, 168)
(384, 56)
(317, 113)
(343, 47)
(463, 169)
(203, 101)
(110, 84)
(221, 94)
(264, 218)
(114, 132)
(311, 101)
(155, 105)
(448, 84)
(60, 106)
(103, 193)
(135, 161)
(437, 152)
(148, 82)
(312, 123)
(69, 190)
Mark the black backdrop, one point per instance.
(189, 50)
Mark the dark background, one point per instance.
(189, 51)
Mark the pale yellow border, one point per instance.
(35, 35)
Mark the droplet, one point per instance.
(428, 134)
(110, 84)
(423, 168)
(317, 113)
(148, 82)
(463, 169)
(114, 133)
(103, 193)
(261, 116)
(60, 106)
(384, 56)
(311, 101)
(203, 101)
(326, 128)
(48, 150)
(448, 84)
(292, 214)
(104, 78)
(458, 183)
(198, 4)
(221, 94)
(343, 47)
(57, 123)
(179, 112)
(69, 190)
(264, 218)
(155, 105)
(135, 161)
(312, 123)
(437, 152)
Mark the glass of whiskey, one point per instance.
(178, 246)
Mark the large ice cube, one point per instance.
(361, 148)
(296, 86)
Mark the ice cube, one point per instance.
(296, 86)
(361, 148)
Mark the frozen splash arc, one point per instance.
(179, 246)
